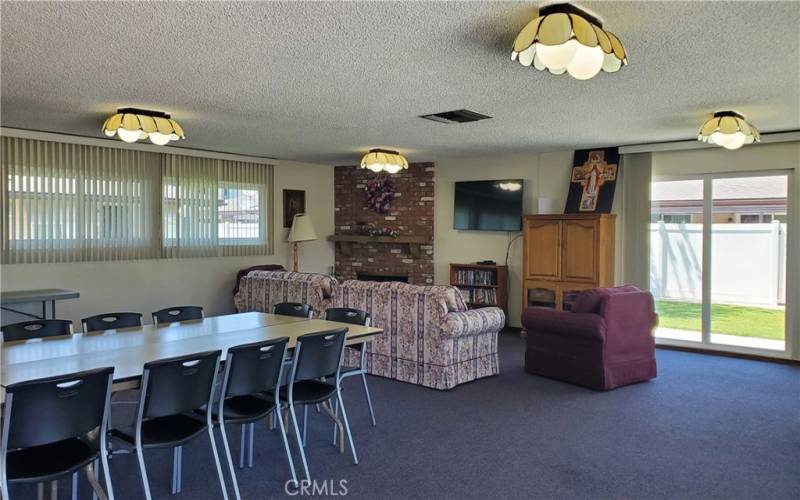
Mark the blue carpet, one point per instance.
(707, 427)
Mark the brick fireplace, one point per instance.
(410, 255)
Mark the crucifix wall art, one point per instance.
(594, 177)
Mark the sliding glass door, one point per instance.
(718, 260)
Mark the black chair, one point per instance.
(178, 313)
(293, 309)
(252, 379)
(354, 317)
(36, 329)
(172, 391)
(314, 379)
(56, 426)
(111, 321)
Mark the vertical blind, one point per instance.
(65, 202)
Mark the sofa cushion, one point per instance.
(588, 301)
(326, 283)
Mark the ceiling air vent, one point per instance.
(457, 116)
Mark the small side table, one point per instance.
(44, 296)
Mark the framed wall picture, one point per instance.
(294, 202)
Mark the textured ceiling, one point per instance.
(325, 81)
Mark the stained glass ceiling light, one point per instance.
(728, 129)
(379, 160)
(565, 38)
(132, 124)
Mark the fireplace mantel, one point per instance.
(345, 242)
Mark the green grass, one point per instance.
(742, 321)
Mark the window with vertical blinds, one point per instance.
(66, 202)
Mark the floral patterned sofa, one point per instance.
(261, 290)
(430, 336)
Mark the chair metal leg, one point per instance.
(346, 424)
(229, 459)
(335, 427)
(97, 475)
(285, 440)
(337, 422)
(177, 468)
(106, 469)
(98, 490)
(305, 423)
(369, 400)
(74, 486)
(250, 449)
(53, 490)
(299, 441)
(216, 462)
(4, 487)
(145, 482)
(4, 483)
(243, 445)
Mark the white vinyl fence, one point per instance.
(748, 263)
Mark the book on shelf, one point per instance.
(476, 277)
(479, 296)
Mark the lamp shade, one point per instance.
(567, 39)
(302, 229)
(379, 160)
(728, 129)
(132, 124)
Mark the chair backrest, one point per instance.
(318, 355)
(36, 329)
(178, 385)
(177, 313)
(254, 368)
(293, 309)
(52, 409)
(110, 321)
(347, 315)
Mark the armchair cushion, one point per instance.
(588, 301)
(564, 323)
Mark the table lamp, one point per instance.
(302, 230)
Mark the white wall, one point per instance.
(545, 175)
(147, 285)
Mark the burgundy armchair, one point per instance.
(604, 342)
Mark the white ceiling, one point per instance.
(325, 81)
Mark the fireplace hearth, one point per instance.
(403, 278)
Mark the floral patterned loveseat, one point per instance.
(430, 337)
(261, 290)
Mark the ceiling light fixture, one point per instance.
(565, 38)
(132, 124)
(728, 129)
(378, 160)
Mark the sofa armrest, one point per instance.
(473, 322)
(564, 323)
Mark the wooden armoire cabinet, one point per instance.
(564, 254)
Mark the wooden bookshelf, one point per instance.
(484, 285)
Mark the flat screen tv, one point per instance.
(488, 205)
